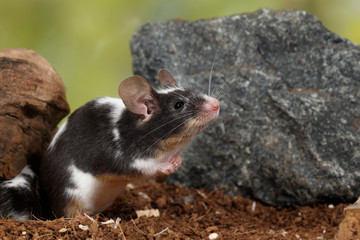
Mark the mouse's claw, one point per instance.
(176, 161)
(169, 167)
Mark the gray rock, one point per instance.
(289, 126)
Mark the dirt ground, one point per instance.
(185, 214)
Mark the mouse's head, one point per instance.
(170, 116)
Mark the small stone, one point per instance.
(129, 186)
(62, 230)
(217, 212)
(253, 206)
(189, 199)
(343, 121)
(213, 236)
(284, 233)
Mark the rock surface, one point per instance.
(289, 126)
(349, 227)
(32, 102)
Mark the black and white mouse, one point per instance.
(109, 142)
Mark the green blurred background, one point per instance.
(87, 41)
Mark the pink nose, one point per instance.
(212, 104)
(215, 107)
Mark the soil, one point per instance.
(185, 214)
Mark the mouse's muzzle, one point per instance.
(209, 110)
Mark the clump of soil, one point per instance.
(185, 214)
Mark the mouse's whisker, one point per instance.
(212, 68)
(164, 136)
(214, 92)
(164, 124)
(217, 92)
(229, 81)
(176, 51)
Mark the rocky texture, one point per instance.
(32, 102)
(349, 228)
(289, 125)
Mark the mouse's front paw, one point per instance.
(169, 167)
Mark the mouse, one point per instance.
(110, 142)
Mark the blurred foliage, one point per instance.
(87, 41)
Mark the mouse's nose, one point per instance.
(212, 104)
(210, 109)
(215, 106)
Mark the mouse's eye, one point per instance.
(179, 105)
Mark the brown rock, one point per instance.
(32, 102)
(349, 228)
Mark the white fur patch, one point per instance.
(116, 134)
(151, 166)
(57, 135)
(116, 103)
(85, 185)
(118, 107)
(28, 171)
(168, 90)
(19, 181)
(95, 195)
(104, 100)
(146, 166)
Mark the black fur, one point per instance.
(21, 201)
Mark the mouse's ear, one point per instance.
(166, 78)
(137, 96)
